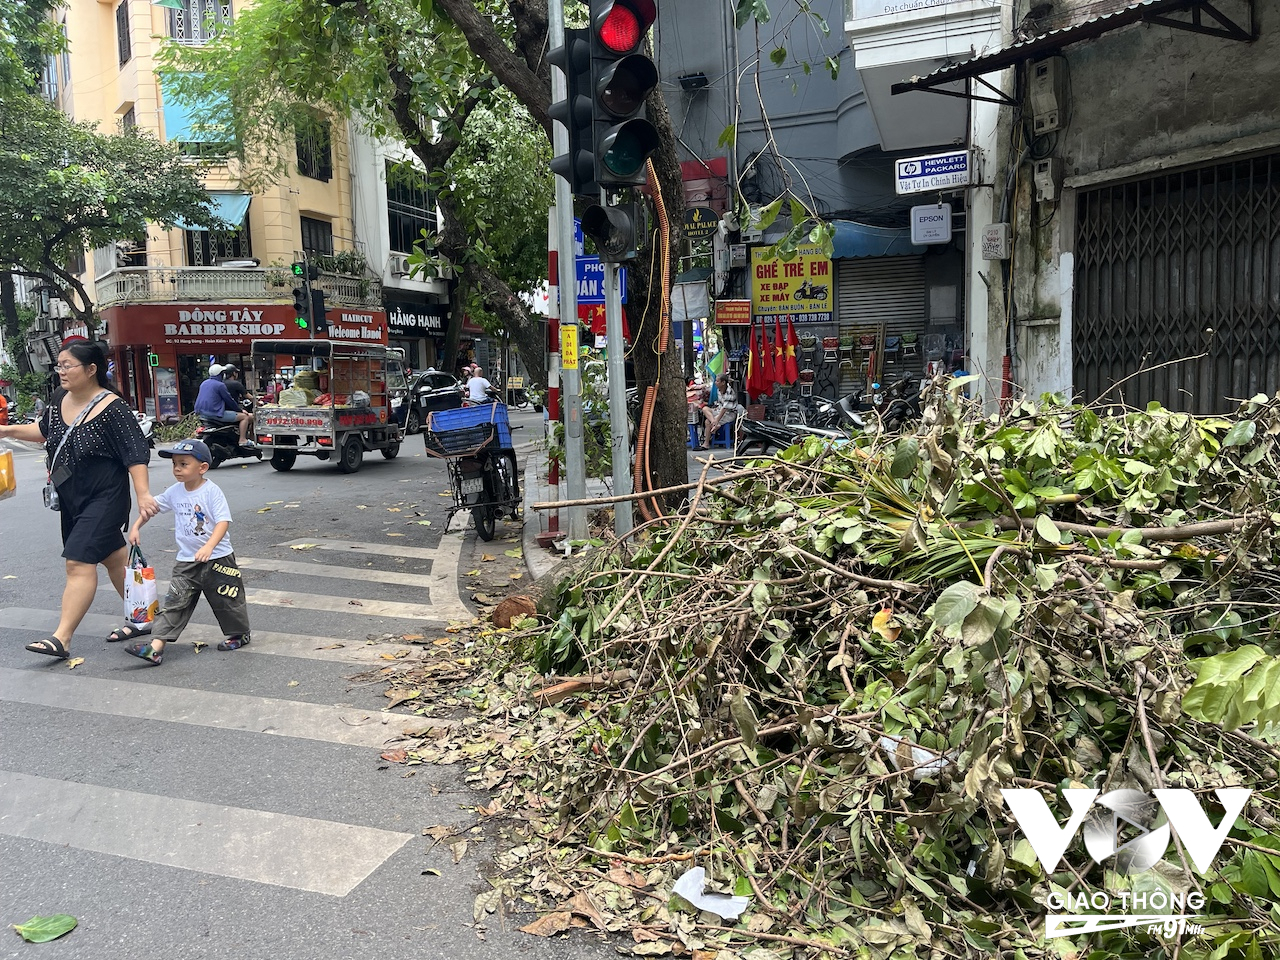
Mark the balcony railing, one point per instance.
(222, 285)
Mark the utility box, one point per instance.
(995, 241)
(1046, 175)
(1048, 95)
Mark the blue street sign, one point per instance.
(590, 275)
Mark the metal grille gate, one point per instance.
(1173, 267)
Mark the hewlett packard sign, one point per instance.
(941, 171)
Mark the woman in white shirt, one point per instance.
(724, 410)
(478, 387)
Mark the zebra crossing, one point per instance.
(239, 704)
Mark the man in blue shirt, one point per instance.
(215, 403)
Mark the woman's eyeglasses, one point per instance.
(64, 367)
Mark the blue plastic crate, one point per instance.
(439, 421)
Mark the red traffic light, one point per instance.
(620, 26)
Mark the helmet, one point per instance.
(230, 368)
(215, 369)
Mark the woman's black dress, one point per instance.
(96, 499)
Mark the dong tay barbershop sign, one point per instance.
(198, 326)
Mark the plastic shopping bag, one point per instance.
(8, 479)
(141, 603)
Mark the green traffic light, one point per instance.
(299, 269)
(301, 322)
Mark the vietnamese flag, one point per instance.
(770, 376)
(757, 382)
(792, 364)
(779, 354)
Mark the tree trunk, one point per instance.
(12, 331)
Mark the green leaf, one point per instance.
(1242, 432)
(1047, 530)
(748, 9)
(906, 456)
(728, 136)
(1253, 875)
(955, 603)
(768, 215)
(778, 56)
(44, 929)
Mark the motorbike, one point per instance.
(769, 435)
(899, 403)
(223, 440)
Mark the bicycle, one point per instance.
(475, 443)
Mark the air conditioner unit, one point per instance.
(399, 265)
(444, 272)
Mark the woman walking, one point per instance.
(104, 451)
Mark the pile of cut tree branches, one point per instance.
(816, 681)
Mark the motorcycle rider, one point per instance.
(216, 404)
(238, 391)
(478, 387)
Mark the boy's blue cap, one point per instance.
(191, 448)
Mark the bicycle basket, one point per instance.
(460, 442)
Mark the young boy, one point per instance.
(206, 563)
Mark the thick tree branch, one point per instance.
(533, 89)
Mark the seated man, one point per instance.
(215, 403)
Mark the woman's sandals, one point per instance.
(50, 647)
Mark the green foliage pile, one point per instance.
(838, 658)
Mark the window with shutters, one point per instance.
(317, 236)
(122, 32)
(128, 120)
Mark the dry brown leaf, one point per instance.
(487, 557)
(440, 832)
(581, 904)
(489, 811)
(410, 637)
(398, 697)
(396, 756)
(74, 662)
(626, 877)
(459, 850)
(332, 646)
(549, 925)
(643, 934)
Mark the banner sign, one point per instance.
(733, 313)
(800, 288)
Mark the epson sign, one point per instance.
(931, 223)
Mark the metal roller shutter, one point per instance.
(880, 298)
(1180, 267)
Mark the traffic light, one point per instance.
(301, 308)
(577, 166)
(318, 314)
(621, 79)
(613, 230)
(299, 268)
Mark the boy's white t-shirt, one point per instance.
(195, 513)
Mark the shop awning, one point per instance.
(179, 125)
(228, 207)
(1198, 16)
(854, 239)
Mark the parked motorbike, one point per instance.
(898, 404)
(768, 436)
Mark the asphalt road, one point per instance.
(233, 805)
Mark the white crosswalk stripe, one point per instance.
(269, 847)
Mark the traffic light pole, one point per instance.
(574, 448)
(619, 417)
(306, 286)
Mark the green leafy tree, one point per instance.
(465, 85)
(69, 188)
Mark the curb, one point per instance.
(538, 560)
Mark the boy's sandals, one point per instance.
(146, 651)
(50, 647)
(127, 632)
(234, 643)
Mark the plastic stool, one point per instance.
(723, 436)
(694, 440)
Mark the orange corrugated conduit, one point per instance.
(641, 472)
